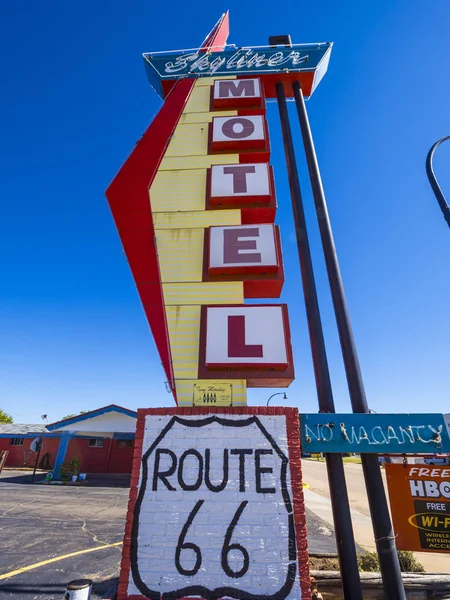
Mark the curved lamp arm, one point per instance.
(434, 182)
(277, 394)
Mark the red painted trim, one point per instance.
(255, 215)
(128, 197)
(305, 79)
(298, 500)
(218, 36)
(267, 288)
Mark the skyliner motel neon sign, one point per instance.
(251, 61)
(206, 242)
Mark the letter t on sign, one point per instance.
(239, 173)
(236, 185)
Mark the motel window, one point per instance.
(96, 443)
(16, 442)
(124, 443)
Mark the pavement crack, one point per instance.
(16, 506)
(94, 536)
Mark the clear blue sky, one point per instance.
(74, 101)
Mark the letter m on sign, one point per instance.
(238, 93)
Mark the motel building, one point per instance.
(102, 440)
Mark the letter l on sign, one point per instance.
(237, 348)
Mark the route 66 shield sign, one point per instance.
(214, 514)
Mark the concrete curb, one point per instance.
(419, 586)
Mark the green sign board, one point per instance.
(254, 61)
(375, 433)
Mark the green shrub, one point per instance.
(73, 466)
(368, 561)
(409, 563)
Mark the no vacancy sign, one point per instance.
(216, 506)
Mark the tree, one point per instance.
(5, 418)
(71, 416)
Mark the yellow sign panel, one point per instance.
(213, 393)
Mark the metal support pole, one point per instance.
(434, 182)
(37, 459)
(382, 527)
(338, 489)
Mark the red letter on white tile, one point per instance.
(233, 134)
(242, 249)
(237, 93)
(241, 184)
(246, 337)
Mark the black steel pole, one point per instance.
(381, 521)
(345, 541)
(37, 458)
(434, 182)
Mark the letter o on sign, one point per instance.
(238, 128)
(240, 133)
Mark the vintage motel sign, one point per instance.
(195, 206)
(216, 505)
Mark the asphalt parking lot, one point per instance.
(43, 524)
(40, 523)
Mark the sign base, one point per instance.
(216, 506)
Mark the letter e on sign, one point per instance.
(246, 337)
(242, 249)
(237, 93)
(241, 184)
(239, 134)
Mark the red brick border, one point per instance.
(293, 437)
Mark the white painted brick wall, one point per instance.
(262, 528)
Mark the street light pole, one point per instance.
(445, 208)
(44, 418)
(277, 394)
